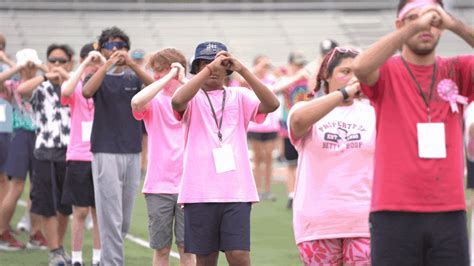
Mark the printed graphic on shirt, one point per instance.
(52, 119)
(341, 135)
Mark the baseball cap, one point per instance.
(87, 48)
(207, 51)
(297, 58)
(25, 55)
(327, 45)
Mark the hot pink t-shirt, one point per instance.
(82, 112)
(334, 175)
(165, 146)
(402, 180)
(200, 182)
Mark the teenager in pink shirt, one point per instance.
(262, 137)
(165, 157)
(78, 185)
(335, 138)
(217, 187)
(418, 205)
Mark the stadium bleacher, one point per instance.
(247, 33)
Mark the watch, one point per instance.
(344, 93)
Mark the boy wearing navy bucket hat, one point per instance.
(217, 187)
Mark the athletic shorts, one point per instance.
(337, 251)
(21, 160)
(78, 187)
(470, 174)
(163, 210)
(291, 155)
(210, 227)
(410, 238)
(4, 145)
(46, 193)
(260, 136)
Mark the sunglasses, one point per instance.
(340, 50)
(112, 45)
(55, 60)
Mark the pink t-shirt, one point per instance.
(272, 122)
(334, 175)
(165, 146)
(82, 114)
(200, 181)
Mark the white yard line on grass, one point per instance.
(134, 239)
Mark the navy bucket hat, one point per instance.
(207, 51)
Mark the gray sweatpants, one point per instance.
(116, 178)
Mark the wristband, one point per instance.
(45, 78)
(344, 93)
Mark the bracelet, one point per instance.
(345, 95)
(45, 78)
(210, 71)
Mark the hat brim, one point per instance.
(194, 64)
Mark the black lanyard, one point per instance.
(219, 125)
(433, 78)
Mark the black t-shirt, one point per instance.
(115, 130)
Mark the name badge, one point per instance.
(431, 140)
(224, 159)
(86, 131)
(3, 115)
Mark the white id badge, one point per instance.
(224, 159)
(3, 115)
(86, 131)
(431, 140)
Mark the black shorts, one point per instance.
(291, 155)
(21, 160)
(412, 239)
(260, 136)
(46, 193)
(4, 145)
(470, 173)
(78, 187)
(210, 227)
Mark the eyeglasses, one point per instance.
(54, 60)
(341, 50)
(112, 45)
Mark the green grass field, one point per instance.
(272, 237)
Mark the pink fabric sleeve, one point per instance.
(145, 114)
(69, 100)
(250, 104)
(298, 142)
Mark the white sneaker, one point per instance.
(24, 225)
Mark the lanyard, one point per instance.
(219, 125)
(433, 78)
